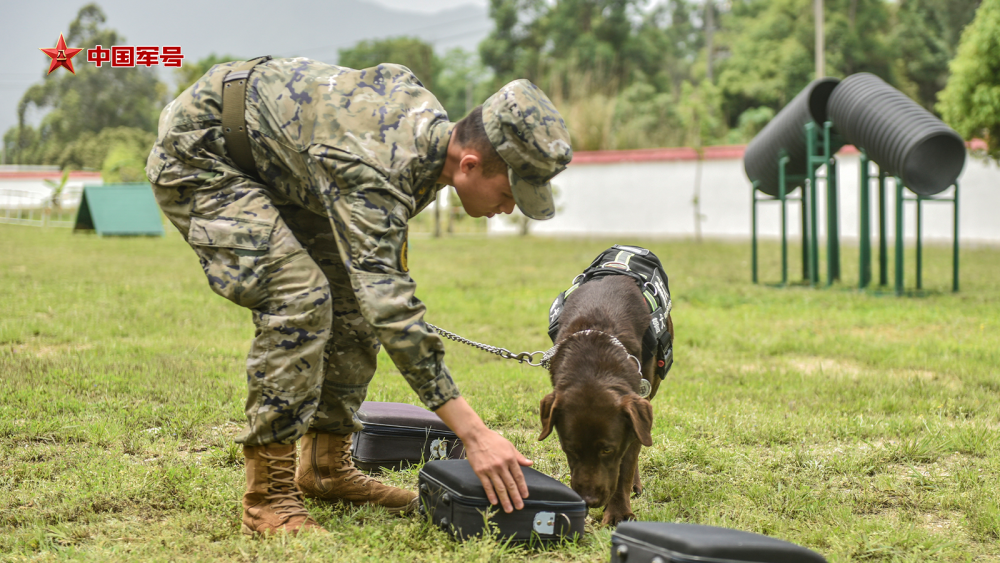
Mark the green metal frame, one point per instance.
(864, 270)
(864, 220)
(919, 199)
(783, 198)
(819, 148)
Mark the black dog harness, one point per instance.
(644, 267)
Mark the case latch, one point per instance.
(439, 449)
(544, 523)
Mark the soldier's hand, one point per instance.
(498, 465)
(495, 460)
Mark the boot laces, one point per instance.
(354, 475)
(282, 490)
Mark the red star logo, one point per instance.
(61, 55)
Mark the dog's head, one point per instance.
(596, 416)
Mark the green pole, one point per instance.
(807, 205)
(814, 235)
(784, 225)
(804, 200)
(899, 236)
(920, 246)
(832, 231)
(833, 208)
(753, 221)
(883, 235)
(813, 228)
(954, 250)
(864, 236)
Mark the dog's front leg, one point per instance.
(620, 506)
(637, 482)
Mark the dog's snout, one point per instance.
(593, 496)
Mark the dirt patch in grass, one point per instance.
(939, 523)
(813, 365)
(816, 365)
(48, 350)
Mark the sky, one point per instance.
(310, 28)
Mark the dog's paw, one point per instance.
(637, 490)
(612, 518)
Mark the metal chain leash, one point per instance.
(527, 357)
(522, 358)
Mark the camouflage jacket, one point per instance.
(365, 148)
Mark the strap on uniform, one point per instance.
(234, 121)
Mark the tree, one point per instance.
(613, 67)
(617, 68)
(645, 117)
(90, 150)
(411, 52)
(971, 100)
(124, 163)
(927, 34)
(462, 82)
(576, 48)
(87, 102)
(699, 113)
(513, 48)
(772, 50)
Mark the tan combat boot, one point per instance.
(327, 473)
(272, 503)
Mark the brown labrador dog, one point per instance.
(595, 406)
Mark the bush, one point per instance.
(91, 151)
(124, 163)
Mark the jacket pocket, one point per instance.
(155, 163)
(230, 232)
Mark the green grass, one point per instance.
(859, 424)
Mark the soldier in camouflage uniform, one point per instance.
(314, 243)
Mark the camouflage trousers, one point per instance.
(313, 354)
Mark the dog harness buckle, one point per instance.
(645, 388)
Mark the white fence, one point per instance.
(655, 198)
(26, 198)
(29, 205)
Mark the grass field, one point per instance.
(859, 424)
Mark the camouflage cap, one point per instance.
(531, 137)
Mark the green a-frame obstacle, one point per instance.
(119, 210)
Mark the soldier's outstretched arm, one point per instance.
(495, 460)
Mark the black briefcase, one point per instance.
(396, 435)
(452, 496)
(661, 542)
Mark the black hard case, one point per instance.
(452, 496)
(397, 434)
(661, 542)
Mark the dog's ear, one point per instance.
(641, 413)
(547, 411)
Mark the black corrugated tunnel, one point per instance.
(787, 132)
(904, 139)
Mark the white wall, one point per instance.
(655, 199)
